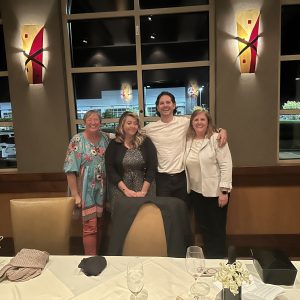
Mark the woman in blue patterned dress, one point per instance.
(85, 169)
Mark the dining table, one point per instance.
(164, 278)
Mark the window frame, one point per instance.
(139, 67)
(6, 123)
(283, 58)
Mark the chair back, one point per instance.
(146, 236)
(42, 223)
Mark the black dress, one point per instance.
(133, 176)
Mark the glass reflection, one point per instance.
(109, 93)
(3, 66)
(90, 6)
(103, 42)
(290, 44)
(145, 4)
(7, 148)
(175, 38)
(290, 85)
(289, 143)
(178, 82)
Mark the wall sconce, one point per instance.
(126, 92)
(247, 35)
(32, 37)
(193, 89)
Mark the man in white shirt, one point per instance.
(169, 137)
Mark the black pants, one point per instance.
(212, 222)
(172, 185)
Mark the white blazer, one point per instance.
(215, 165)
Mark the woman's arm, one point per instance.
(223, 156)
(112, 158)
(150, 155)
(222, 136)
(72, 183)
(126, 191)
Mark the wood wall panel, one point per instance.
(264, 200)
(264, 210)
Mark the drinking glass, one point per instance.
(135, 277)
(195, 265)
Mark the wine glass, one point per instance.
(195, 265)
(135, 277)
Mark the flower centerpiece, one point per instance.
(232, 276)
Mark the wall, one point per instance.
(39, 111)
(247, 105)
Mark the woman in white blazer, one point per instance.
(209, 181)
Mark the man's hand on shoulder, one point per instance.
(222, 136)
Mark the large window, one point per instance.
(122, 54)
(179, 82)
(7, 137)
(175, 38)
(103, 42)
(289, 118)
(101, 91)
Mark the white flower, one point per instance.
(199, 108)
(232, 276)
(94, 152)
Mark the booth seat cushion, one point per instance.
(42, 223)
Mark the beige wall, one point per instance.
(39, 111)
(247, 105)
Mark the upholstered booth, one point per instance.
(42, 223)
(146, 236)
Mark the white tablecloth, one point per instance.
(165, 278)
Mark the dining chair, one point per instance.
(146, 236)
(42, 223)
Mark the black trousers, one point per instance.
(172, 185)
(212, 222)
(175, 217)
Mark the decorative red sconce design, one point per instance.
(247, 36)
(32, 37)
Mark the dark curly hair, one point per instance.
(165, 93)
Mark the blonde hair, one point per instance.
(138, 138)
(210, 127)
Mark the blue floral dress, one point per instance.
(87, 161)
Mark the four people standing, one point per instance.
(133, 161)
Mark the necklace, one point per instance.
(198, 143)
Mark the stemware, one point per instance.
(135, 277)
(195, 265)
